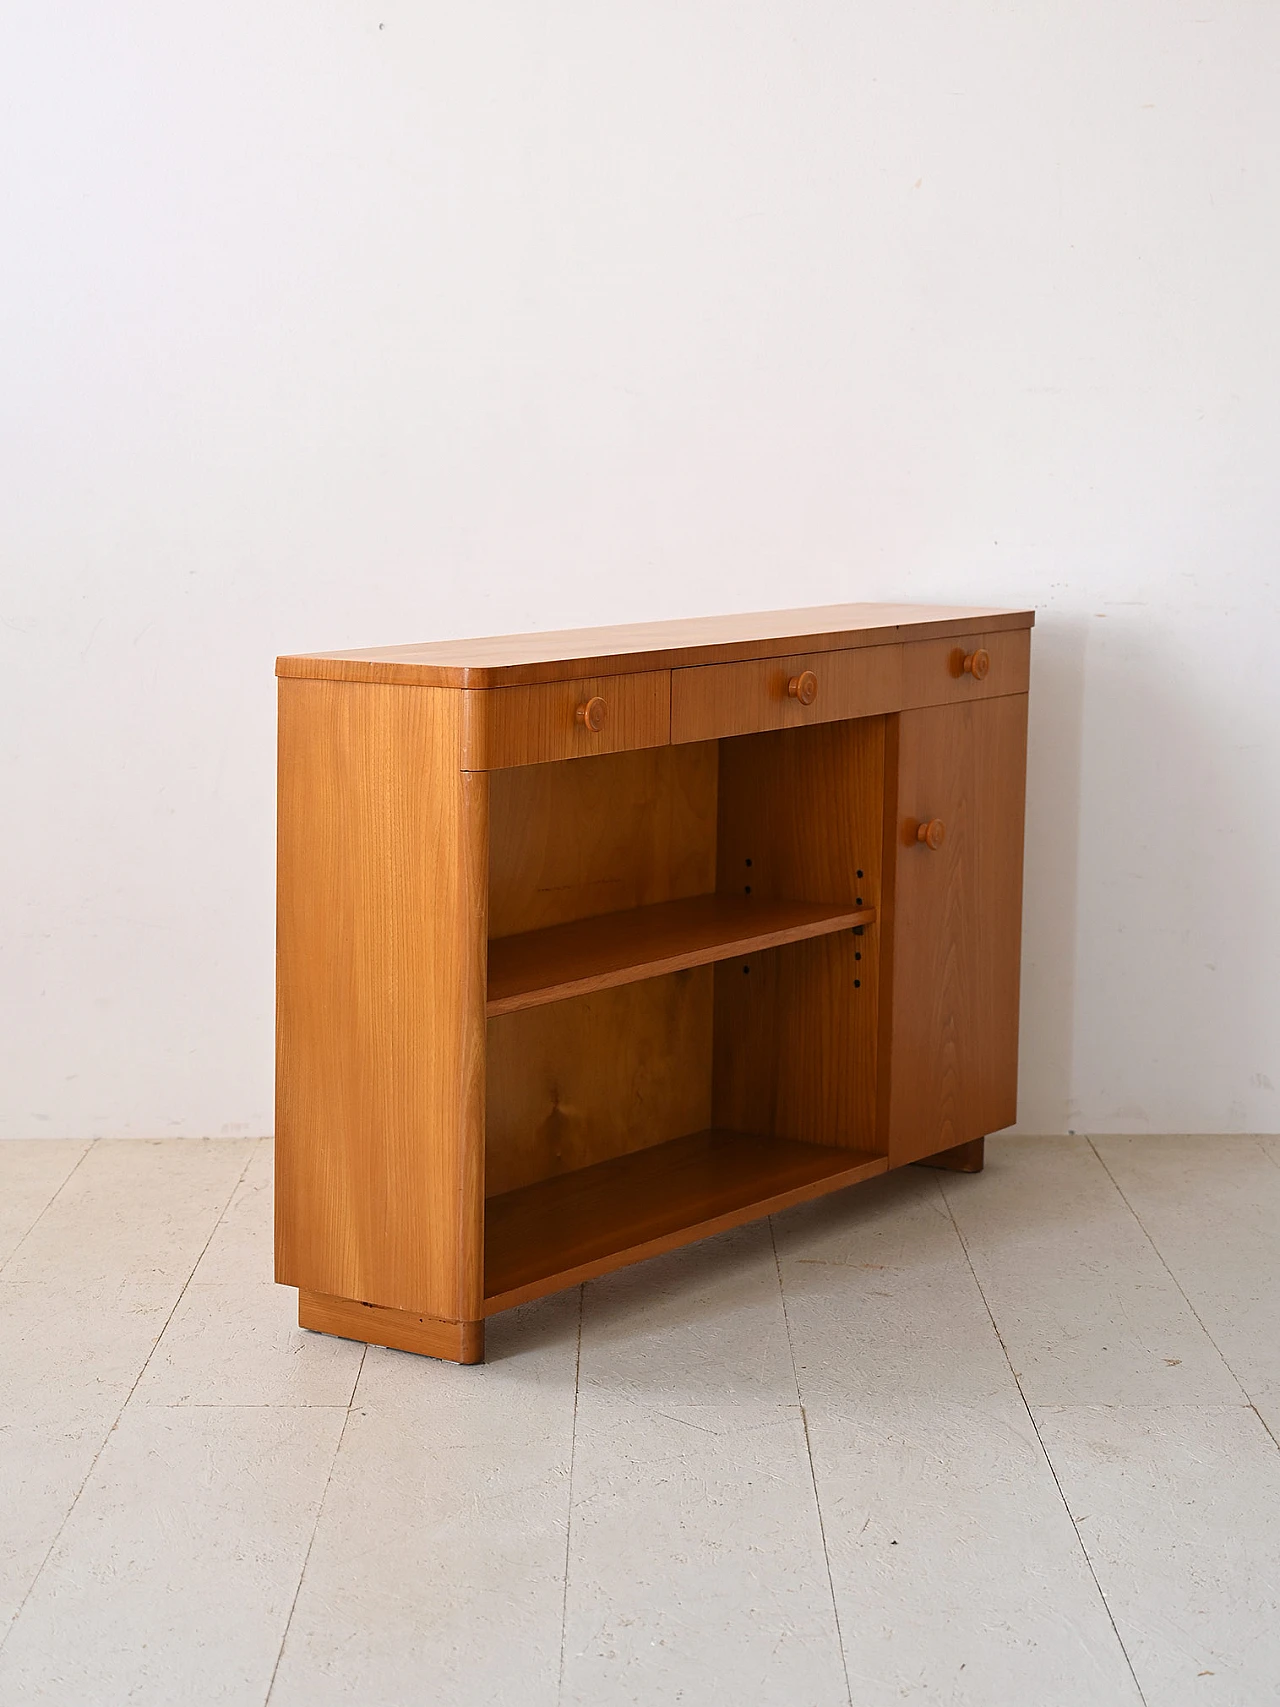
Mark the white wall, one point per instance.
(347, 323)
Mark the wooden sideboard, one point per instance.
(598, 942)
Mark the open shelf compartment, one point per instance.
(559, 1231)
(682, 999)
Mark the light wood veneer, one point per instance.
(621, 948)
(571, 1228)
(593, 944)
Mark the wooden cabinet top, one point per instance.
(511, 659)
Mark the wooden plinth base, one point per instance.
(402, 1330)
(963, 1159)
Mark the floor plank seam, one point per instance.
(88, 1475)
(315, 1530)
(1052, 1468)
(568, 1524)
(239, 1405)
(89, 1147)
(1245, 1395)
(813, 1474)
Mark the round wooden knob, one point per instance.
(804, 687)
(976, 664)
(932, 833)
(591, 713)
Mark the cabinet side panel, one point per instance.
(956, 922)
(381, 942)
(796, 1027)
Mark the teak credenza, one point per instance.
(594, 943)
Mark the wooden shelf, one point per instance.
(622, 948)
(570, 1228)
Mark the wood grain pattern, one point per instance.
(402, 1330)
(563, 1231)
(600, 835)
(796, 1028)
(537, 724)
(741, 699)
(579, 1081)
(933, 671)
(505, 660)
(381, 988)
(448, 819)
(952, 923)
(621, 948)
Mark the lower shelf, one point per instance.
(568, 1229)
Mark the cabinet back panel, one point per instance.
(805, 806)
(796, 1035)
(579, 837)
(579, 1081)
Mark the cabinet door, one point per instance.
(949, 1044)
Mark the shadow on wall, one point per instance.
(1175, 1027)
(1146, 869)
(1051, 880)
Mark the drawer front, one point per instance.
(567, 720)
(771, 693)
(934, 673)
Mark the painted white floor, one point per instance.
(1002, 1439)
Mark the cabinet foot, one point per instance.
(402, 1330)
(962, 1159)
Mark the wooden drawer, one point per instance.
(530, 725)
(739, 699)
(933, 671)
